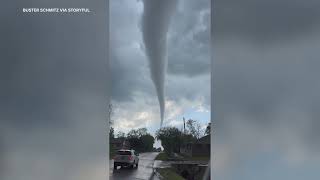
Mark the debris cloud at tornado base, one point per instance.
(155, 25)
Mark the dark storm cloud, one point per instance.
(265, 20)
(129, 70)
(155, 24)
(128, 78)
(53, 90)
(189, 42)
(128, 65)
(188, 47)
(132, 88)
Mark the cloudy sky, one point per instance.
(188, 75)
(265, 70)
(266, 89)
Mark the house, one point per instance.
(116, 144)
(199, 148)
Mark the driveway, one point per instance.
(143, 172)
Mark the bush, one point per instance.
(170, 138)
(140, 140)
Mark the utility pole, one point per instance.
(184, 126)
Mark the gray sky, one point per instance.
(265, 67)
(188, 74)
(54, 88)
(266, 89)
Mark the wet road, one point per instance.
(143, 172)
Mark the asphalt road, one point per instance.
(143, 172)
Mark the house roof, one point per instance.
(204, 140)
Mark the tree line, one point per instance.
(139, 139)
(172, 138)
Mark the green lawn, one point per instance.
(196, 158)
(169, 174)
(162, 156)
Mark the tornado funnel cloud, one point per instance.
(155, 25)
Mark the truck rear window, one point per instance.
(124, 152)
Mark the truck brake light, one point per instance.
(130, 158)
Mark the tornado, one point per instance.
(155, 25)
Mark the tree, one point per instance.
(111, 133)
(194, 128)
(110, 113)
(111, 130)
(147, 142)
(142, 131)
(140, 140)
(135, 143)
(121, 134)
(133, 133)
(208, 129)
(137, 132)
(170, 138)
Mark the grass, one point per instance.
(162, 156)
(195, 158)
(169, 174)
